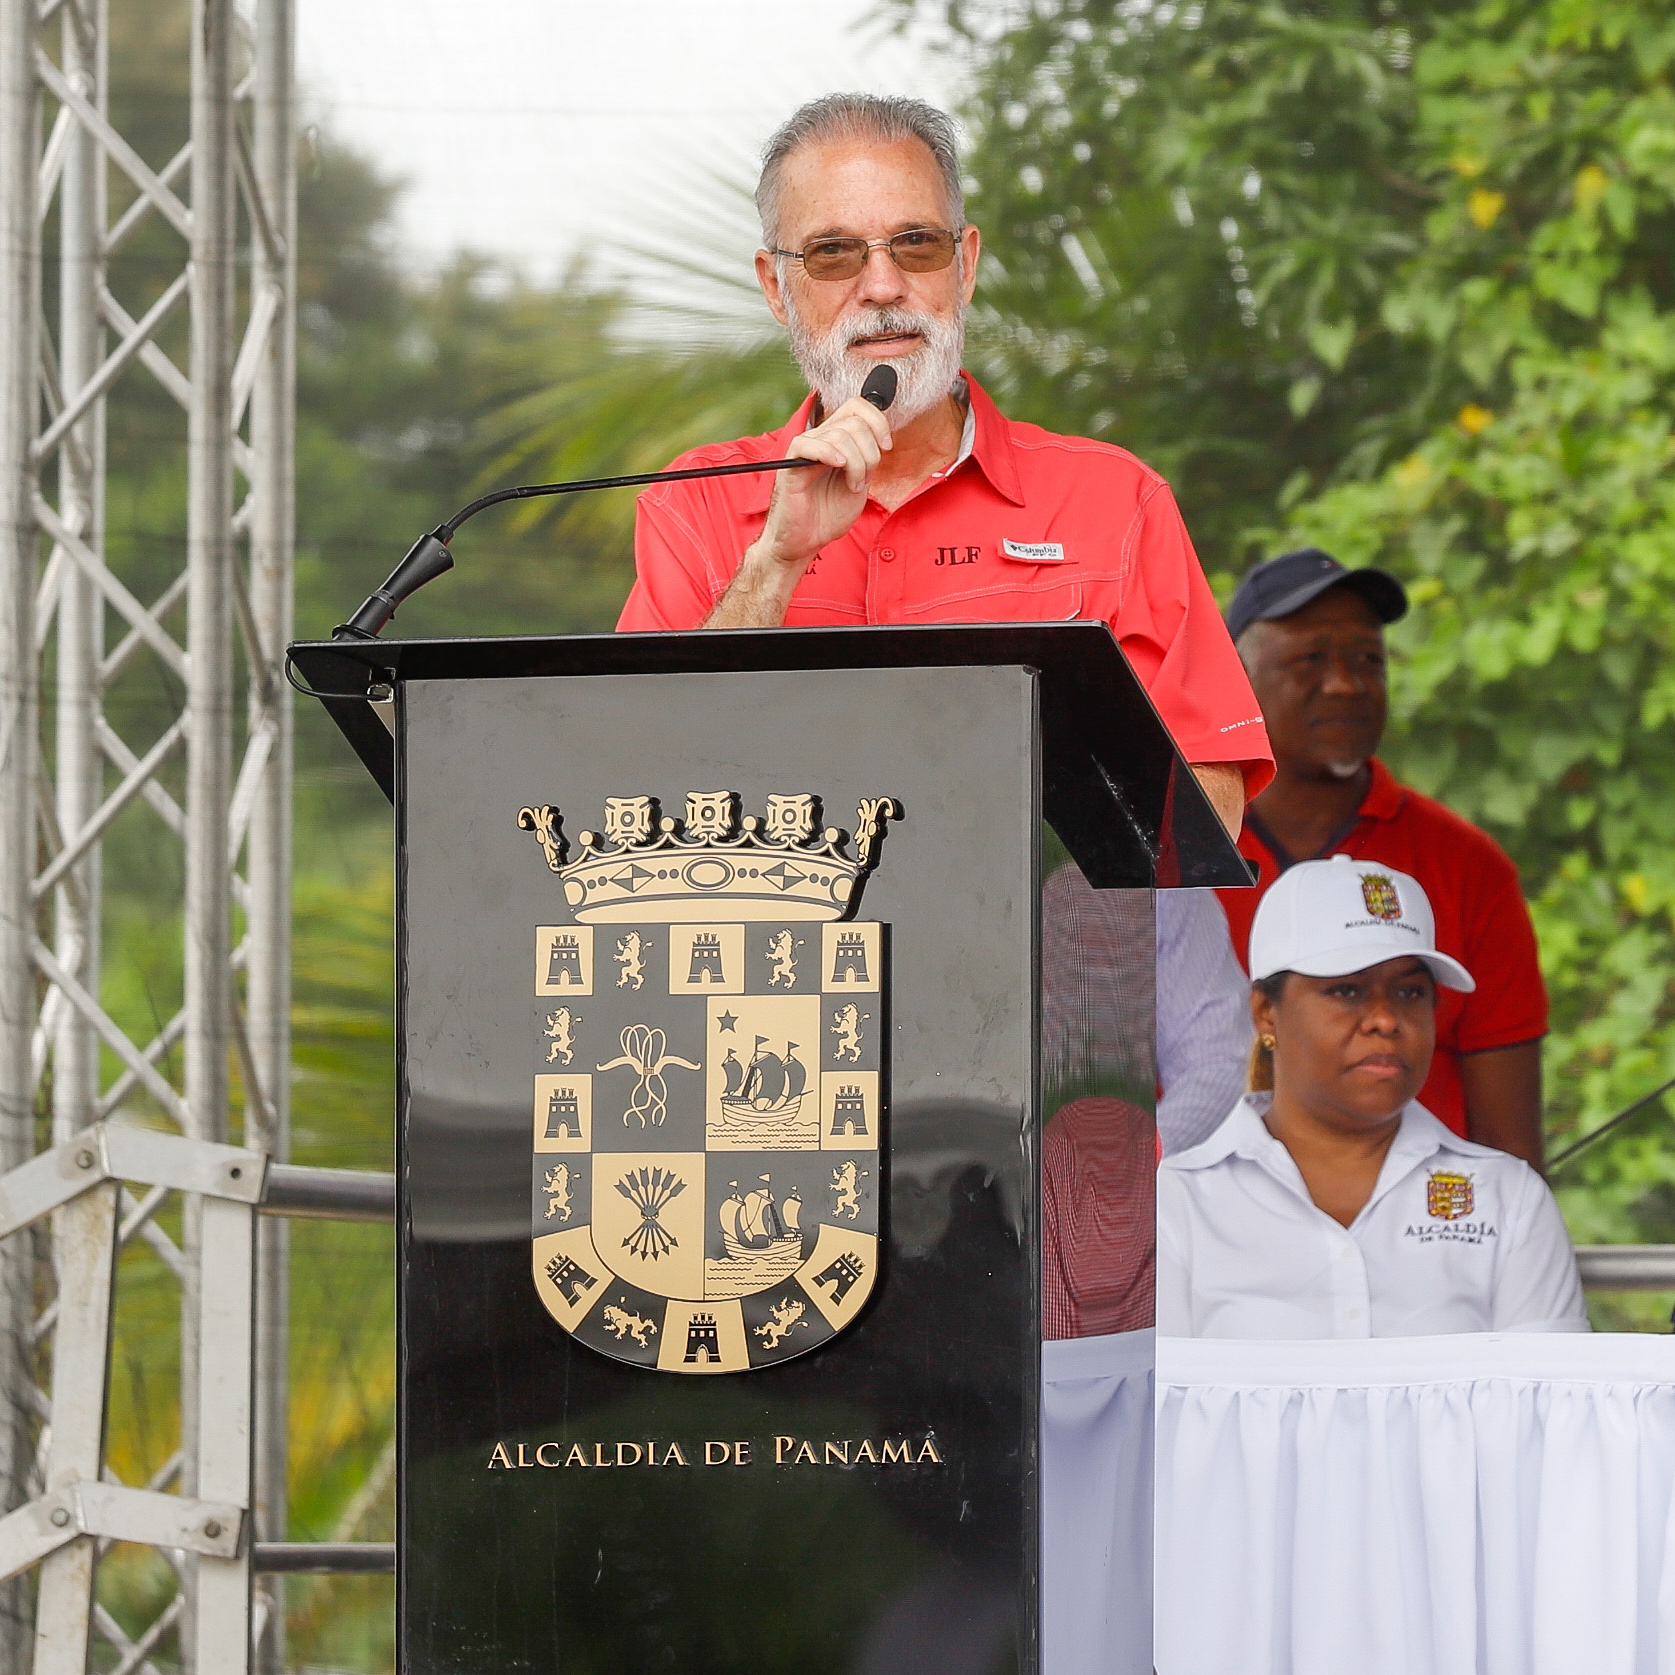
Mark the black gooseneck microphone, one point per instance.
(429, 557)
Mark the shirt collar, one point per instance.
(1385, 794)
(1423, 1133)
(1244, 1134)
(986, 439)
(1385, 799)
(968, 436)
(992, 445)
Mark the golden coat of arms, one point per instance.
(1448, 1196)
(1378, 891)
(710, 1079)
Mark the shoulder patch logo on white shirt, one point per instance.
(1448, 1195)
(1450, 1199)
(1034, 552)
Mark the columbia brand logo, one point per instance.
(1034, 552)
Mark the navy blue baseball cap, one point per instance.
(1285, 584)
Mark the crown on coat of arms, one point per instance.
(712, 864)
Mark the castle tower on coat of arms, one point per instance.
(706, 959)
(702, 1339)
(849, 1111)
(563, 1119)
(849, 959)
(571, 1278)
(564, 964)
(841, 1276)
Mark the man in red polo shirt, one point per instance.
(1312, 636)
(941, 510)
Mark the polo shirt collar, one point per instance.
(992, 445)
(987, 440)
(1244, 1134)
(1385, 794)
(1385, 799)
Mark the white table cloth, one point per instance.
(1096, 1505)
(1472, 1505)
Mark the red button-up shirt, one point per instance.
(1031, 527)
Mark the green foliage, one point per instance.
(343, 1274)
(1191, 216)
(1396, 277)
(609, 388)
(1536, 516)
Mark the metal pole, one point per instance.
(272, 433)
(209, 556)
(77, 768)
(215, 1393)
(19, 279)
(83, 1233)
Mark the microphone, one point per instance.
(429, 557)
(880, 386)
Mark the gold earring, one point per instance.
(1268, 1043)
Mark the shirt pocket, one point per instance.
(1047, 596)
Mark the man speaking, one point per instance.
(940, 509)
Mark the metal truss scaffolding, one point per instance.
(98, 1128)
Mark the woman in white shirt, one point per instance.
(1330, 1203)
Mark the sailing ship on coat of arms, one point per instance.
(709, 1073)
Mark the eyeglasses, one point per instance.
(919, 250)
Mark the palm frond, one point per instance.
(620, 375)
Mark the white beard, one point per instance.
(925, 376)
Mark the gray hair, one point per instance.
(865, 116)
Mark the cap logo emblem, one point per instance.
(1449, 1196)
(1378, 891)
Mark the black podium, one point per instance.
(721, 1095)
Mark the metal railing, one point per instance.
(1627, 1267)
(227, 1186)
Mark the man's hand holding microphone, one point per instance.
(811, 507)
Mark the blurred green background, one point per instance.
(1392, 276)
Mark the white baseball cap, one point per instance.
(1329, 918)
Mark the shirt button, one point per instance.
(887, 553)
